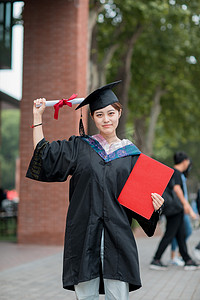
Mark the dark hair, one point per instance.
(116, 105)
(179, 157)
(187, 171)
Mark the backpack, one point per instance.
(172, 204)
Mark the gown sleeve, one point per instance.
(53, 162)
(149, 226)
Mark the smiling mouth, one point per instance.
(107, 125)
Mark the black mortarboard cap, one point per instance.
(101, 97)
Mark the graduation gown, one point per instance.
(96, 182)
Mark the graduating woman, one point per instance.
(100, 253)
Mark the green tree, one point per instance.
(147, 44)
(9, 146)
(153, 46)
(162, 78)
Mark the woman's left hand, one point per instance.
(157, 201)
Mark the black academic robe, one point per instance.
(95, 184)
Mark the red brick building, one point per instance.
(55, 66)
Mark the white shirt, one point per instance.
(110, 148)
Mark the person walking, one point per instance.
(174, 212)
(179, 160)
(197, 248)
(100, 253)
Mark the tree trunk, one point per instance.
(97, 71)
(154, 114)
(125, 74)
(139, 133)
(98, 78)
(93, 77)
(97, 7)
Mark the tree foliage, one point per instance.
(160, 68)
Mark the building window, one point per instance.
(6, 23)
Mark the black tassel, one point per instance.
(81, 126)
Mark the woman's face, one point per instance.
(106, 119)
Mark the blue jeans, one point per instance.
(188, 231)
(114, 289)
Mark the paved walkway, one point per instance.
(34, 273)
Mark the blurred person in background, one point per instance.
(181, 160)
(197, 248)
(174, 213)
(2, 196)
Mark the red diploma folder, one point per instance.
(148, 176)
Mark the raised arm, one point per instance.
(37, 121)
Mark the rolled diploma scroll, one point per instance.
(53, 102)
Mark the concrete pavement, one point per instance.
(30, 272)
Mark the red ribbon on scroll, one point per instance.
(60, 104)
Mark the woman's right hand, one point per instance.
(37, 120)
(39, 110)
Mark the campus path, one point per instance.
(30, 272)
